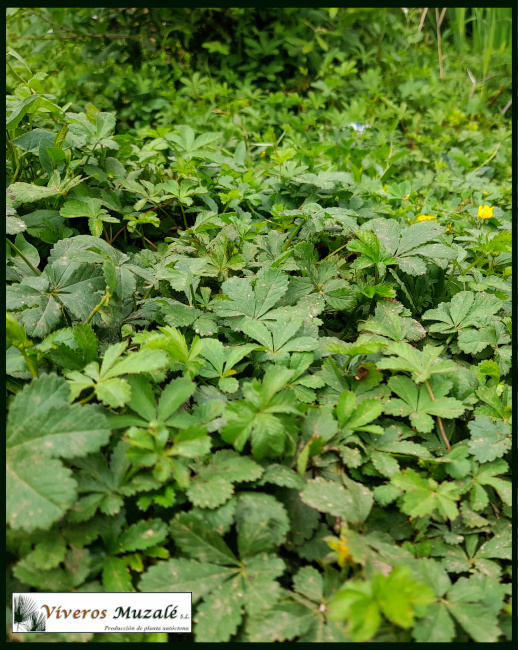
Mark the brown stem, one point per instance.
(439, 44)
(439, 420)
(117, 234)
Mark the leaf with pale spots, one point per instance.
(351, 503)
(213, 483)
(42, 424)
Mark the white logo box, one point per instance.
(102, 612)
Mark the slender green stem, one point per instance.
(479, 259)
(148, 292)
(19, 252)
(88, 398)
(104, 300)
(117, 234)
(184, 217)
(293, 235)
(33, 370)
(334, 252)
(449, 279)
(492, 155)
(16, 74)
(439, 420)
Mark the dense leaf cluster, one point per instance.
(261, 352)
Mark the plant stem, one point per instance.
(439, 420)
(449, 279)
(292, 236)
(17, 75)
(148, 292)
(33, 370)
(335, 251)
(87, 399)
(439, 20)
(104, 300)
(117, 234)
(19, 252)
(184, 217)
(479, 259)
(493, 154)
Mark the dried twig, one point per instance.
(439, 19)
(421, 22)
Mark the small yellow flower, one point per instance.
(425, 217)
(262, 154)
(341, 549)
(485, 212)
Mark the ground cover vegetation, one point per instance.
(259, 317)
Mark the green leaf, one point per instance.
(42, 425)
(408, 245)
(422, 364)
(489, 439)
(352, 504)
(424, 497)
(76, 288)
(200, 542)
(417, 404)
(262, 523)
(180, 574)
(466, 309)
(142, 535)
(217, 619)
(116, 575)
(245, 301)
(213, 484)
(392, 321)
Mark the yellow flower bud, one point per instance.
(425, 217)
(485, 212)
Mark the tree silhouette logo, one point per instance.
(26, 618)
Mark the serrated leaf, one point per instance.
(42, 425)
(489, 439)
(198, 541)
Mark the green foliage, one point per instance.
(258, 331)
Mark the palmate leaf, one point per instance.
(417, 404)
(107, 380)
(42, 426)
(213, 483)
(221, 361)
(219, 578)
(251, 302)
(322, 285)
(279, 337)
(397, 596)
(424, 497)
(102, 483)
(410, 245)
(90, 208)
(76, 288)
(489, 439)
(303, 614)
(261, 414)
(473, 602)
(466, 309)
(421, 363)
(391, 320)
(351, 503)
(96, 132)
